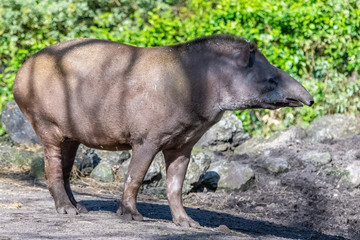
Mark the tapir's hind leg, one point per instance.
(68, 153)
(142, 156)
(177, 161)
(55, 179)
(59, 157)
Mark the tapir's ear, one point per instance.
(246, 57)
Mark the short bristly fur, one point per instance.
(113, 96)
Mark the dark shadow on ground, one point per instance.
(214, 219)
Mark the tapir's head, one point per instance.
(247, 80)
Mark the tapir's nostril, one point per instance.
(311, 102)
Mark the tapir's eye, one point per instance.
(272, 81)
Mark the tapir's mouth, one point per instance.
(288, 102)
(291, 102)
(299, 102)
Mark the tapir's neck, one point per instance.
(205, 92)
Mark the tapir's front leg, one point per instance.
(177, 162)
(142, 156)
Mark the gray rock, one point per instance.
(103, 173)
(10, 154)
(233, 175)
(125, 166)
(333, 127)
(86, 159)
(37, 169)
(13, 155)
(257, 145)
(224, 135)
(199, 164)
(316, 158)
(353, 176)
(352, 154)
(17, 126)
(155, 179)
(156, 170)
(276, 165)
(253, 147)
(292, 134)
(113, 157)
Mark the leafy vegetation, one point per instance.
(316, 41)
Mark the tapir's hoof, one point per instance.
(128, 216)
(188, 222)
(81, 208)
(67, 208)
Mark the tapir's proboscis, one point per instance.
(112, 96)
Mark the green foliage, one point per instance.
(316, 41)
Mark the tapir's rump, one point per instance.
(113, 96)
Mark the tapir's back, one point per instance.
(93, 88)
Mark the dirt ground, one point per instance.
(27, 212)
(307, 202)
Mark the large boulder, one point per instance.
(224, 135)
(229, 175)
(333, 127)
(17, 126)
(257, 145)
(199, 163)
(103, 173)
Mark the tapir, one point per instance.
(112, 96)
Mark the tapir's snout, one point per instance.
(300, 100)
(309, 101)
(295, 93)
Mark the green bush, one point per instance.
(316, 41)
